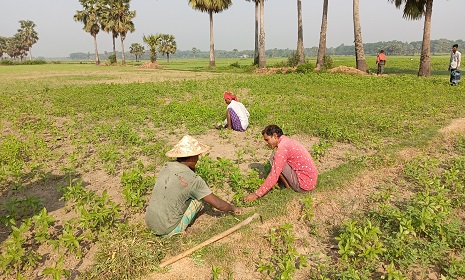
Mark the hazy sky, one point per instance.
(60, 35)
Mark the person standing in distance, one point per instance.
(381, 61)
(454, 65)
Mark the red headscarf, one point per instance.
(230, 95)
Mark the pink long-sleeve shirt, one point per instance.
(297, 156)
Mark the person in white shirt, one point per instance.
(454, 65)
(237, 116)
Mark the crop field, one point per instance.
(80, 147)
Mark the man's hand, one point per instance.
(251, 197)
(236, 210)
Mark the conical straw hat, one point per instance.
(188, 146)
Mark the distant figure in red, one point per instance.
(381, 61)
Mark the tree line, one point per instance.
(20, 45)
(138, 52)
(115, 17)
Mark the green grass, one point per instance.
(80, 117)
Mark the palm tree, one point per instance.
(152, 41)
(413, 10)
(137, 50)
(300, 34)
(257, 16)
(123, 21)
(167, 45)
(28, 34)
(90, 17)
(261, 52)
(359, 53)
(107, 23)
(210, 7)
(322, 45)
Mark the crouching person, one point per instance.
(179, 193)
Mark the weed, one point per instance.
(285, 259)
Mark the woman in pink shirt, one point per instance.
(291, 162)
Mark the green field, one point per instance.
(85, 142)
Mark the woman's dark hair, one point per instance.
(455, 46)
(272, 128)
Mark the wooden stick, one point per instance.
(211, 240)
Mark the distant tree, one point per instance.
(235, 52)
(359, 52)
(28, 35)
(89, 16)
(322, 45)
(166, 45)
(152, 41)
(137, 50)
(257, 17)
(300, 34)
(210, 7)
(194, 50)
(123, 21)
(414, 10)
(15, 47)
(107, 23)
(3, 41)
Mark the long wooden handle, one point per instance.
(211, 240)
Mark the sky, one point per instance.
(59, 35)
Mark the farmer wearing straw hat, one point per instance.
(178, 193)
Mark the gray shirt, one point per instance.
(175, 187)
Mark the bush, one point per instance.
(112, 58)
(7, 62)
(328, 62)
(304, 68)
(235, 65)
(293, 59)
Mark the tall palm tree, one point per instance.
(359, 52)
(107, 23)
(322, 45)
(167, 45)
(300, 34)
(261, 52)
(152, 41)
(89, 16)
(28, 34)
(210, 7)
(414, 10)
(257, 17)
(123, 21)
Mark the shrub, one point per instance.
(293, 59)
(112, 58)
(235, 65)
(304, 68)
(328, 62)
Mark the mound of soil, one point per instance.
(345, 69)
(150, 65)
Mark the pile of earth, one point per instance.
(150, 65)
(345, 69)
